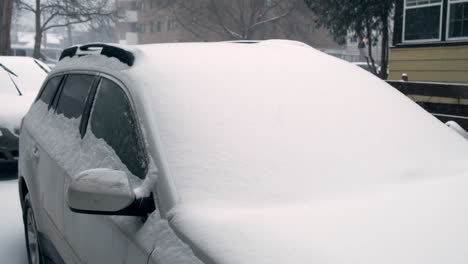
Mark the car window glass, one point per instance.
(112, 120)
(73, 96)
(50, 89)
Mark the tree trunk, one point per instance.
(69, 36)
(385, 39)
(369, 48)
(38, 37)
(6, 10)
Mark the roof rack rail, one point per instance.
(243, 41)
(122, 55)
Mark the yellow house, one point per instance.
(430, 42)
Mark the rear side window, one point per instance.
(50, 89)
(112, 120)
(73, 96)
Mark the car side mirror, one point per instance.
(105, 192)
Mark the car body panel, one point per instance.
(285, 163)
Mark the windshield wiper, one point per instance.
(10, 72)
(40, 66)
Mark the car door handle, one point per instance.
(35, 152)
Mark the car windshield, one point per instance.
(27, 73)
(6, 84)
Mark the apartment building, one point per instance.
(155, 21)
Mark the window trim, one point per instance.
(89, 105)
(62, 77)
(447, 32)
(140, 134)
(44, 84)
(405, 7)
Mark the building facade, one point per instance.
(154, 21)
(430, 41)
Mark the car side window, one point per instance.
(50, 89)
(112, 120)
(72, 99)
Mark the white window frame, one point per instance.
(450, 3)
(441, 4)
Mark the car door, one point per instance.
(54, 132)
(111, 139)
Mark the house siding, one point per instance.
(430, 64)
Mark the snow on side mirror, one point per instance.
(457, 128)
(100, 191)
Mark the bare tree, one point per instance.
(230, 19)
(6, 10)
(62, 13)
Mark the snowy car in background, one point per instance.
(229, 153)
(20, 80)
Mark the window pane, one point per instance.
(113, 121)
(458, 25)
(73, 97)
(422, 23)
(48, 93)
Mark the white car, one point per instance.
(229, 153)
(20, 80)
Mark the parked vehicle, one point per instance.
(235, 153)
(20, 80)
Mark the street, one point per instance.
(12, 245)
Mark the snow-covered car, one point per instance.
(20, 80)
(229, 153)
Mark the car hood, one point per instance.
(12, 110)
(421, 221)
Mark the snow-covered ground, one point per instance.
(12, 246)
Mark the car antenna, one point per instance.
(9, 75)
